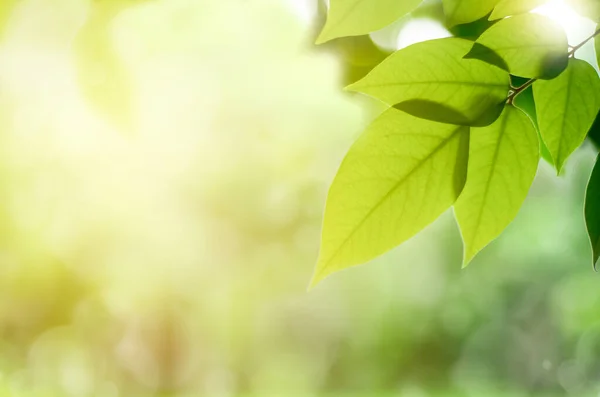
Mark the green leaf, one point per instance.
(566, 107)
(465, 11)
(528, 45)
(101, 74)
(358, 55)
(506, 8)
(431, 80)
(597, 45)
(358, 17)
(471, 30)
(502, 165)
(594, 133)
(587, 8)
(592, 211)
(400, 175)
(526, 103)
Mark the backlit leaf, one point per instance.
(465, 11)
(592, 211)
(471, 31)
(566, 107)
(357, 17)
(525, 102)
(432, 80)
(502, 165)
(507, 8)
(396, 179)
(528, 45)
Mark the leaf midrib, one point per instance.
(564, 119)
(345, 15)
(491, 175)
(453, 82)
(388, 194)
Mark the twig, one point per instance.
(516, 91)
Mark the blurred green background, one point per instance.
(173, 259)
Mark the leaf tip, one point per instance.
(320, 40)
(318, 276)
(559, 168)
(312, 284)
(320, 273)
(466, 262)
(470, 54)
(352, 87)
(496, 14)
(451, 21)
(324, 36)
(468, 256)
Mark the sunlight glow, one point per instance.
(305, 9)
(419, 30)
(577, 27)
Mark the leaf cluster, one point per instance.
(459, 132)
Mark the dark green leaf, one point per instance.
(594, 133)
(592, 211)
(597, 44)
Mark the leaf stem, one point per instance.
(514, 92)
(584, 42)
(572, 49)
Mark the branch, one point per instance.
(516, 91)
(584, 42)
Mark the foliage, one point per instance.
(356, 17)
(453, 111)
(459, 12)
(401, 161)
(567, 107)
(503, 160)
(592, 211)
(527, 45)
(507, 8)
(172, 263)
(451, 90)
